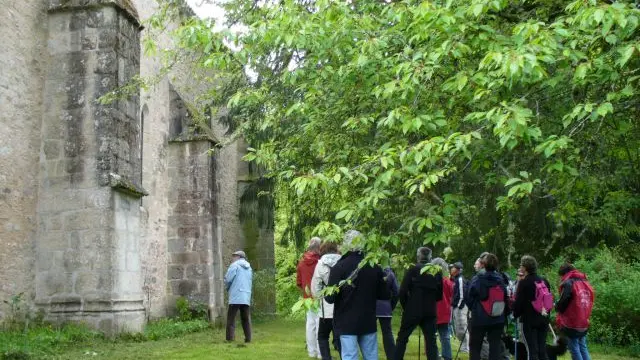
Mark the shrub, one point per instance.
(287, 293)
(263, 293)
(191, 309)
(616, 313)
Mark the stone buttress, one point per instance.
(88, 213)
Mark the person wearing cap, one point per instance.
(304, 274)
(238, 281)
(460, 311)
(359, 288)
(419, 293)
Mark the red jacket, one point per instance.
(306, 266)
(576, 302)
(444, 305)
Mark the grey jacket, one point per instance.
(320, 279)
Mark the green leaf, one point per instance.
(477, 9)
(626, 55)
(342, 214)
(512, 181)
(604, 109)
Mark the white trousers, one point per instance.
(313, 323)
(462, 333)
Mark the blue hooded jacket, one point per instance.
(238, 282)
(479, 291)
(384, 308)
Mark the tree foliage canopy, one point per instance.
(510, 125)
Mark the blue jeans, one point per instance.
(445, 341)
(368, 345)
(578, 348)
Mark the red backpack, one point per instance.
(494, 304)
(543, 303)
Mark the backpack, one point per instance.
(543, 302)
(494, 304)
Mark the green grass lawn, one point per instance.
(273, 340)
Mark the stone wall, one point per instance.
(88, 261)
(22, 61)
(155, 118)
(74, 235)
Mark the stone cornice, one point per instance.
(126, 6)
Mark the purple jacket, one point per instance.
(384, 308)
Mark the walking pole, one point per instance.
(515, 352)
(419, 351)
(462, 341)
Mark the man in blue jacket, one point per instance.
(238, 282)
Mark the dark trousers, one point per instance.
(428, 326)
(476, 337)
(387, 337)
(324, 329)
(535, 339)
(245, 316)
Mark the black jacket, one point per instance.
(460, 288)
(419, 293)
(523, 307)
(354, 312)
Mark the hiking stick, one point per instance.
(462, 341)
(555, 338)
(515, 343)
(419, 336)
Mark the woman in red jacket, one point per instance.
(444, 310)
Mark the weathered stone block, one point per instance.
(204, 288)
(50, 283)
(51, 149)
(84, 220)
(45, 261)
(78, 20)
(52, 240)
(89, 42)
(177, 245)
(197, 272)
(95, 18)
(107, 39)
(175, 272)
(51, 222)
(58, 22)
(72, 260)
(183, 287)
(185, 258)
(91, 282)
(75, 240)
(133, 261)
(99, 198)
(106, 62)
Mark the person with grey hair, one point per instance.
(419, 293)
(304, 274)
(359, 288)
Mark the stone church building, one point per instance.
(109, 212)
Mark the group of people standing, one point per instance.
(368, 294)
(435, 297)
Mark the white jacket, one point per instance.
(320, 279)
